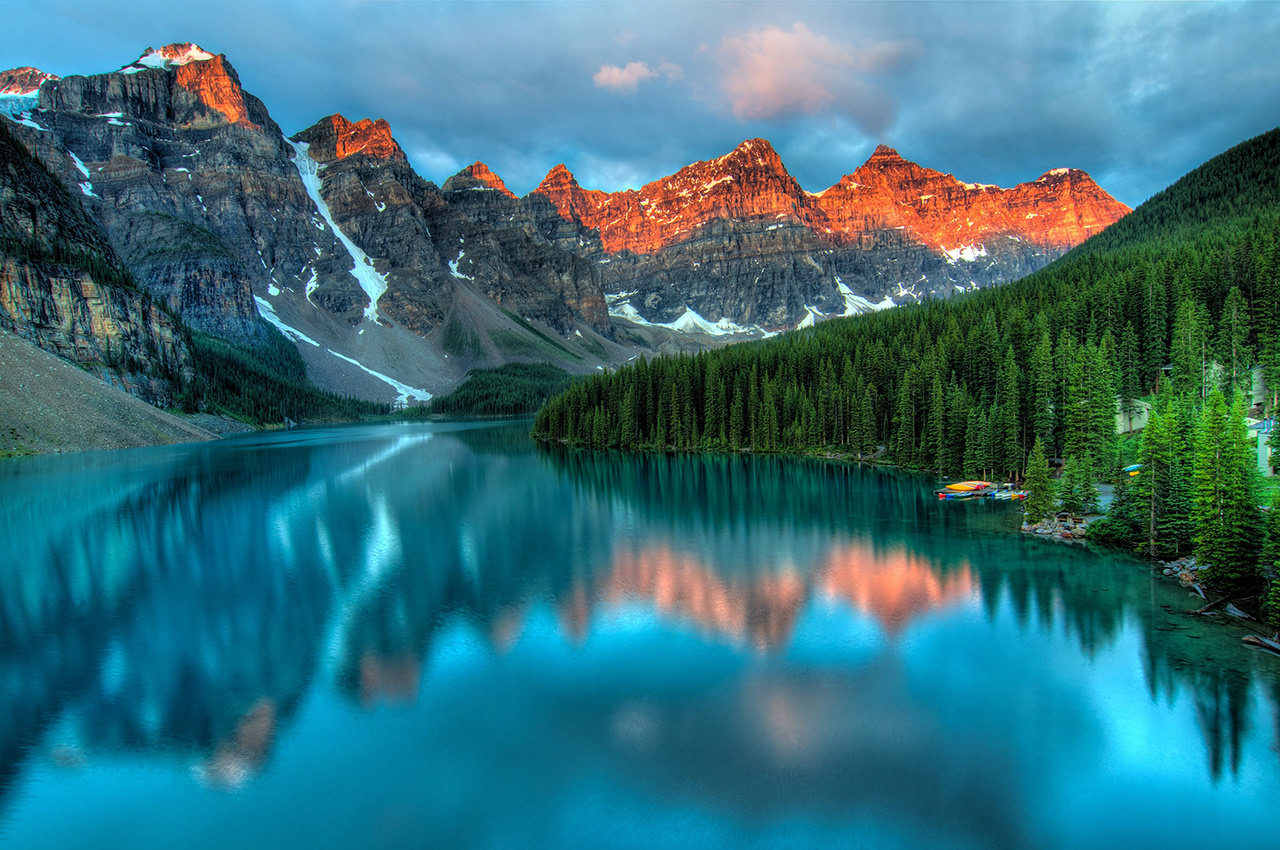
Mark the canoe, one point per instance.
(968, 486)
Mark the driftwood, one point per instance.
(1263, 643)
(1214, 604)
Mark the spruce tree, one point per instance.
(1040, 497)
(1076, 489)
(1233, 342)
(1269, 562)
(1225, 510)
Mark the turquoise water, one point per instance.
(442, 636)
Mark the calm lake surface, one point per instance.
(442, 636)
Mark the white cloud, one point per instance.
(627, 79)
(623, 79)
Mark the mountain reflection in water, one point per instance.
(764, 637)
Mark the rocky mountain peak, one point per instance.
(572, 201)
(208, 76)
(168, 57)
(557, 178)
(885, 154)
(887, 167)
(23, 81)
(749, 182)
(180, 84)
(479, 176)
(1059, 174)
(335, 137)
(752, 153)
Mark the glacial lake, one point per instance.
(420, 636)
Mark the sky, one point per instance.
(623, 93)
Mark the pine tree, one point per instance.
(1190, 349)
(1269, 562)
(1005, 427)
(1233, 342)
(1042, 381)
(1076, 489)
(1226, 518)
(1130, 380)
(630, 407)
(1040, 497)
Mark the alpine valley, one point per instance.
(156, 213)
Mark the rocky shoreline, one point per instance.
(1189, 573)
(1063, 526)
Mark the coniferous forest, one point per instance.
(1174, 304)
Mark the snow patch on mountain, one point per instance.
(85, 186)
(373, 284)
(968, 253)
(856, 305)
(453, 269)
(689, 322)
(811, 317)
(167, 58)
(15, 104)
(268, 312)
(405, 391)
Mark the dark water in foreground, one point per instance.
(439, 636)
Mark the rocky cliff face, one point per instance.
(427, 241)
(63, 287)
(503, 248)
(735, 242)
(170, 154)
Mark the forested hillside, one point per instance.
(965, 385)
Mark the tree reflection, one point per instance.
(185, 609)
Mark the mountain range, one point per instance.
(179, 183)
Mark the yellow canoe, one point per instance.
(968, 486)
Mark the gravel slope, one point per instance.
(49, 405)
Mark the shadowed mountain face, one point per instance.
(386, 280)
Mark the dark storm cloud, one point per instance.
(625, 93)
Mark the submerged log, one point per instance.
(1214, 604)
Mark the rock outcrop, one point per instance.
(503, 247)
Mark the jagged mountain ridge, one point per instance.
(376, 272)
(1059, 209)
(891, 230)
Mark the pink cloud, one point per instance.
(773, 72)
